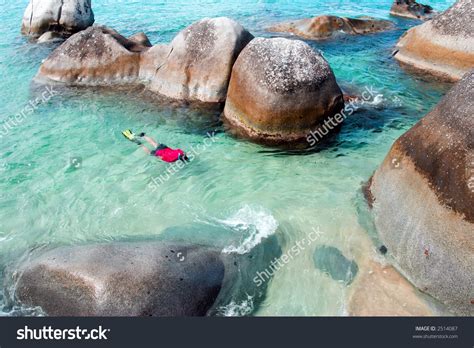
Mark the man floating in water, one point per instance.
(159, 150)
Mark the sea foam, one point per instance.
(254, 223)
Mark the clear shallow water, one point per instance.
(47, 199)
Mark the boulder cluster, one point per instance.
(275, 90)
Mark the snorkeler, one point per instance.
(159, 150)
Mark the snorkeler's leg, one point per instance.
(151, 141)
(146, 149)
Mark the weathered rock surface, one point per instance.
(152, 60)
(411, 9)
(200, 61)
(381, 291)
(444, 46)
(122, 279)
(323, 27)
(195, 66)
(280, 90)
(422, 197)
(95, 56)
(61, 16)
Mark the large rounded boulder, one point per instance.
(444, 46)
(122, 279)
(95, 56)
(200, 61)
(323, 27)
(280, 90)
(60, 16)
(422, 197)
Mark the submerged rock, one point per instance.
(330, 260)
(95, 56)
(280, 90)
(411, 9)
(381, 291)
(423, 200)
(444, 46)
(200, 61)
(65, 17)
(323, 27)
(122, 279)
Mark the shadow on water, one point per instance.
(367, 120)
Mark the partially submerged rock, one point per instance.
(423, 200)
(200, 61)
(280, 90)
(411, 9)
(323, 27)
(65, 17)
(195, 66)
(122, 279)
(95, 56)
(330, 260)
(168, 276)
(381, 291)
(444, 46)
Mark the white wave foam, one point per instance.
(234, 309)
(378, 100)
(254, 223)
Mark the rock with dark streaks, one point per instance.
(423, 200)
(442, 47)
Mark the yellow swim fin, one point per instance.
(129, 134)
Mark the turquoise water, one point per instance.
(68, 176)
